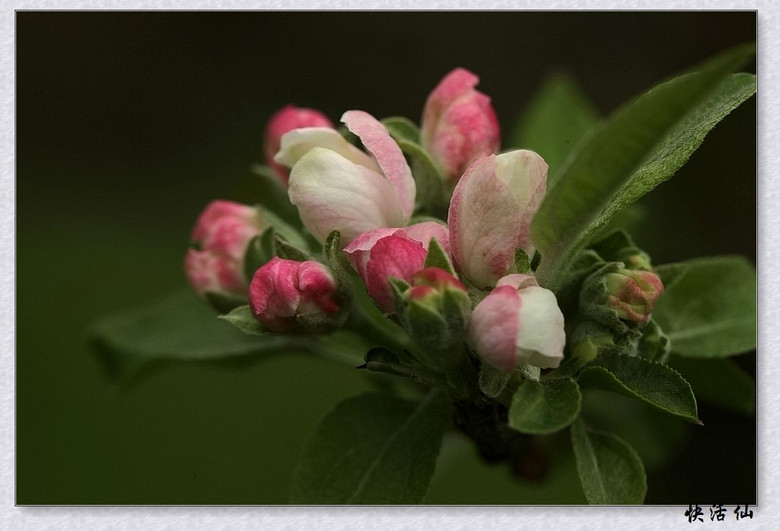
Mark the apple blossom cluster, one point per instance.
(461, 287)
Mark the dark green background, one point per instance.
(129, 123)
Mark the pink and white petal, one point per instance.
(492, 328)
(381, 145)
(359, 249)
(525, 172)
(540, 337)
(332, 192)
(481, 224)
(296, 143)
(490, 213)
(453, 85)
(425, 230)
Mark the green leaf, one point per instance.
(437, 257)
(400, 127)
(492, 381)
(555, 121)
(338, 262)
(431, 191)
(708, 308)
(617, 246)
(273, 195)
(372, 449)
(568, 295)
(718, 381)
(285, 230)
(655, 344)
(546, 406)
(179, 327)
(259, 251)
(243, 319)
(380, 359)
(288, 251)
(610, 470)
(640, 146)
(657, 385)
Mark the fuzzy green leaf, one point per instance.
(288, 251)
(657, 385)
(492, 381)
(432, 196)
(437, 257)
(259, 251)
(708, 309)
(610, 471)
(243, 319)
(179, 327)
(555, 121)
(372, 449)
(546, 406)
(654, 344)
(338, 262)
(617, 246)
(640, 146)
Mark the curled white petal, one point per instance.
(296, 143)
(540, 334)
(332, 192)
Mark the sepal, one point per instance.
(617, 246)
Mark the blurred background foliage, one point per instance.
(129, 123)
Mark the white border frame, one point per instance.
(348, 518)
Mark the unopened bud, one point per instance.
(221, 235)
(459, 125)
(439, 291)
(288, 295)
(284, 120)
(633, 293)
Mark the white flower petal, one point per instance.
(332, 192)
(298, 142)
(540, 333)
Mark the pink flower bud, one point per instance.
(459, 124)
(491, 211)
(222, 233)
(633, 293)
(383, 253)
(514, 326)
(284, 120)
(207, 271)
(287, 295)
(337, 186)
